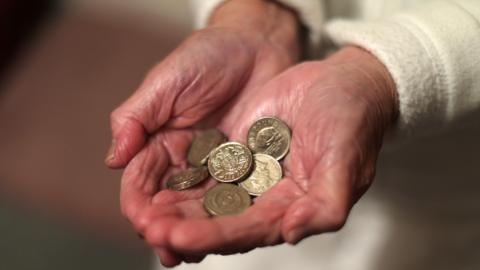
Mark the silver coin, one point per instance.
(266, 173)
(230, 162)
(269, 135)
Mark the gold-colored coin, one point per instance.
(226, 199)
(188, 178)
(203, 144)
(269, 135)
(230, 162)
(266, 173)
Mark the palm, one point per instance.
(327, 127)
(211, 92)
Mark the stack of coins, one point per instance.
(243, 171)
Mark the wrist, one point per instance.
(260, 22)
(380, 90)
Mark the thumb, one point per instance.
(141, 114)
(173, 93)
(324, 208)
(128, 138)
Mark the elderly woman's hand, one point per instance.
(201, 83)
(246, 43)
(338, 111)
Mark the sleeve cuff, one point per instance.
(408, 61)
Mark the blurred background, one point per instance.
(64, 65)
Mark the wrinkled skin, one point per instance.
(211, 68)
(336, 136)
(198, 85)
(337, 109)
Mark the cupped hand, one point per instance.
(201, 83)
(212, 67)
(338, 111)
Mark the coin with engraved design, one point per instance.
(230, 162)
(269, 135)
(188, 178)
(203, 144)
(266, 173)
(226, 199)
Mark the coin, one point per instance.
(226, 199)
(266, 173)
(230, 162)
(188, 178)
(202, 144)
(269, 135)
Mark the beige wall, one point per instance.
(149, 13)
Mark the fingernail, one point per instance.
(110, 153)
(295, 235)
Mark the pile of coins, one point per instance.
(255, 167)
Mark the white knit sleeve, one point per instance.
(310, 12)
(433, 55)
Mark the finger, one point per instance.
(204, 236)
(181, 90)
(257, 226)
(193, 258)
(168, 196)
(145, 218)
(144, 112)
(324, 208)
(158, 231)
(128, 138)
(167, 257)
(158, 160)
(141, 178)
(159, 222)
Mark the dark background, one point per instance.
(64, 65)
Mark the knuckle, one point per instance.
(142, 221)
(366, 181)
(369, 168)
(273, 236)
(153, 236)
(115, 115)
(273, 239)
(336, 217)
(121, 118)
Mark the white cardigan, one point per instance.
(423, 211)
